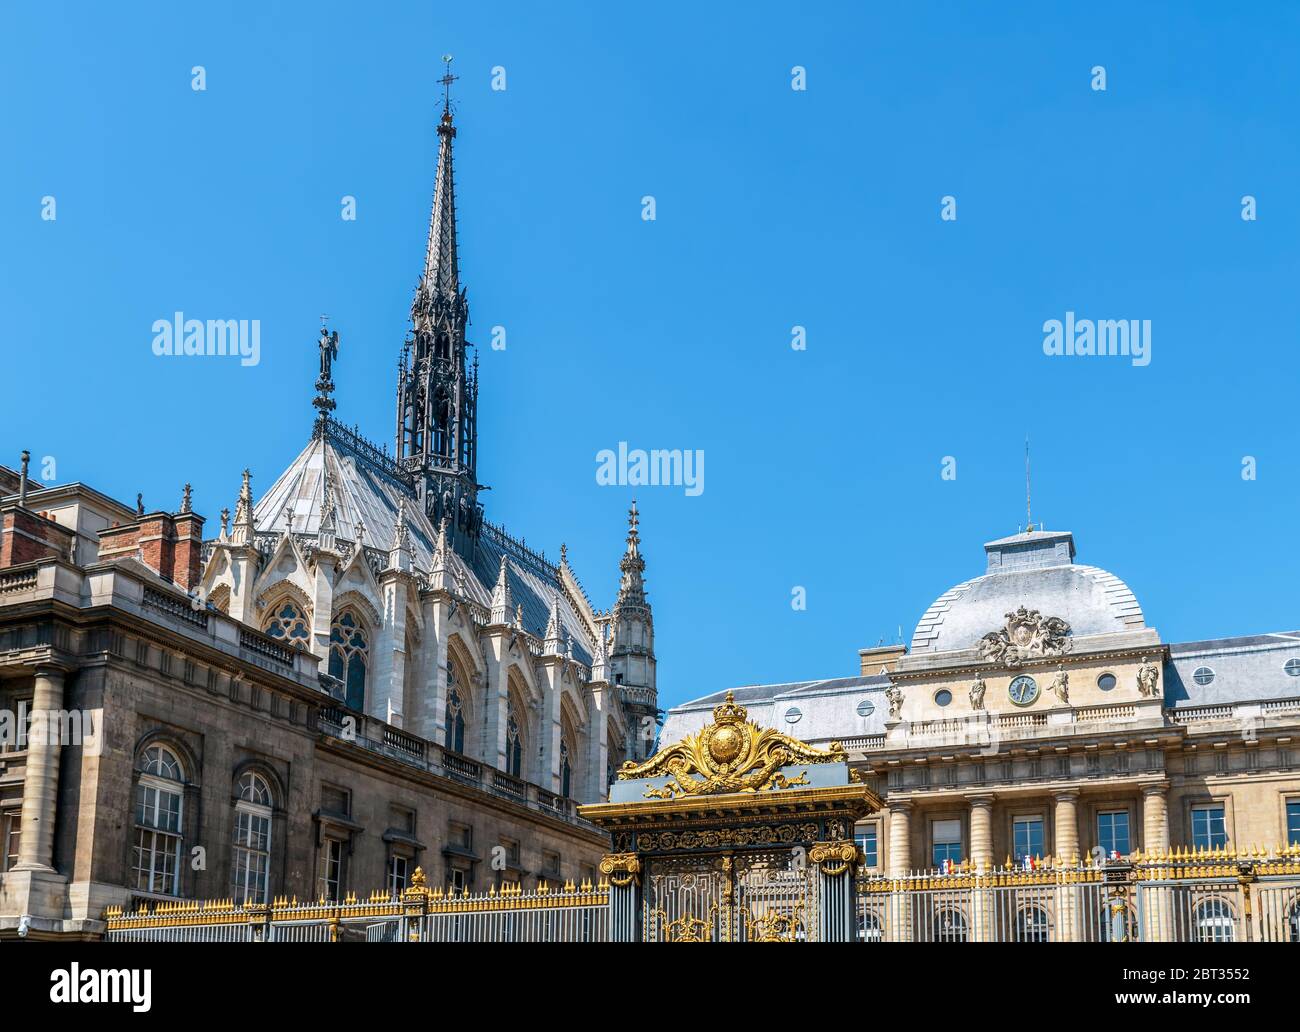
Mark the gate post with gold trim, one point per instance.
(837, 868)
(623, 872)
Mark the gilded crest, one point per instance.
(733, 754)
(1027, 635)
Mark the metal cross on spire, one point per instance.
(446, 81)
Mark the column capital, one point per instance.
(1066, 795)
(54, 671)
(981, 801)
(899, 805)
(1155, 790)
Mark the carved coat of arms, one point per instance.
(1027, 635)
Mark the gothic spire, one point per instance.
(551, 645)
(244, 530)
(437, 387)
(631, 587)
(441, 267)
(502, 603)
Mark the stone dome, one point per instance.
(1035, 570)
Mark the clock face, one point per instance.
(1023, 690)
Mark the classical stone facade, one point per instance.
(1036, 714)
(357, 674)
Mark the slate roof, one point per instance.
(365, 491)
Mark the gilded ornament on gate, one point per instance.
(733, 754)
(622, 869)
(835, 857)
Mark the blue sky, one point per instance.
(775, 208)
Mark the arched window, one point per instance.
(159, 804)
(288, 624)
(349, 653)
(1214, 921)
(252, 855)
(514, 746)
(1032, 925)
(868, 927)
(455, 721)
(949, 925)
(566, 771)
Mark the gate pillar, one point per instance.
(623, 872)
(837, 868)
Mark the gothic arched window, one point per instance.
(349, 653)
(566, 770)
(288, 624)
(514, 746)
(455, 720)
(252, 855)
(159, 803)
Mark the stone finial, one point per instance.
(502, 603)
(185, 498)
(139, 503)
(552, 643)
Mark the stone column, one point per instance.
(1158, 901)
(1155, 817)
(1066, 847)
(898, 916)
(981, 833)
(41, 778)
(983, 912)
(900, 839)
(1066, 843)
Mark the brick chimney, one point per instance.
(26, 536)
(170, 544)
(884, 657)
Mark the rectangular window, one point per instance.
(1112, 832)
(946, 839)
(1209, 831)
(1027, 835)
(11, 828)
(867, 842)
(252, 859)
(157, 851)
(398, 877)
(1293, 822)
(456, 879)
(331, 869)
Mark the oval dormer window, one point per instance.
(866, 707)
(1292, 667)
(942, 697)
(793, 715)
(1203, 675)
